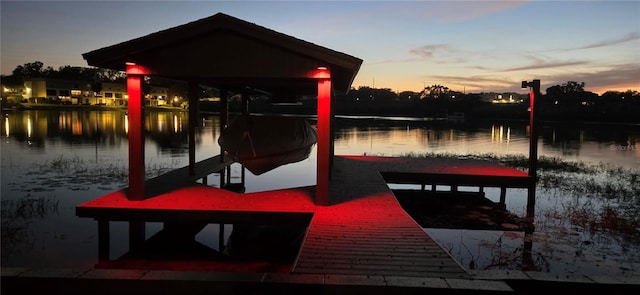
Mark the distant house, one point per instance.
(41, 90)
(37, 90)
(507, 97)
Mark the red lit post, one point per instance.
(135, 75)
(324, 135)
(534, 97)
(533, 130)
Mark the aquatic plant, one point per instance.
(77, 173)
(16, 217)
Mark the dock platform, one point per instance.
(363, 237)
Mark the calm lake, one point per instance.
(55, 160)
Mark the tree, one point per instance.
(435, 91)
(408, 96)
(29, 70)
(568, 88)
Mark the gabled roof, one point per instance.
(224, 50)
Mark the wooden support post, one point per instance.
(534, 97)
(503, 195)
(193, 123)
(433, 187)
(104, 241)
(224, 120)
(136, 234)
(324, 137)
(242, 176)
(422, 186)
(135, 74)
(245, 103)
(221, 237)
(531, 202)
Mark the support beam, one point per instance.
(534, 97)
(135, 75)
(221, 237)
(104, 240)
(224, 120)
(324, 137)
(193, 122)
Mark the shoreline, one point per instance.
(34, 106)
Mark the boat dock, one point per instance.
(362, 242)
(363, 235)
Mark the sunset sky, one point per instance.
(471, 46)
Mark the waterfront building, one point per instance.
(47, 90)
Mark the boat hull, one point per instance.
(263, 143)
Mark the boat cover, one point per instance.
(263, 143)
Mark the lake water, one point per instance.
(55, 160)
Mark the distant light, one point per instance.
(130, 63)
(322, 68)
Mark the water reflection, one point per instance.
(35, 127)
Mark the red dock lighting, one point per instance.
(135, 75)
(321, 72)
(324, 155)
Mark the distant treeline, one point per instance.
(567, 102)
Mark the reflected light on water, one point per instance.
(6, 126)
(499, 134)
(126, 124)
(177, 124)
(29, 127)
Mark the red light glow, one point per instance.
(136, 136)
(321, 73)
(134, 69)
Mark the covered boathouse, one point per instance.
(356, 236)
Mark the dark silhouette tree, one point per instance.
(29, 70)
(435, 91)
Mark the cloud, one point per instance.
(456, 11)
(436, 53)
(626, 38)
(602, 80)
(428, 51)
(546, 65)
(475, 83)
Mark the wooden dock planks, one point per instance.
(345, 240)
